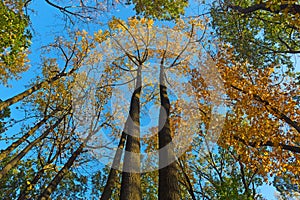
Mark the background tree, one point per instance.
(160, 9)
(256, 103)
(261, 33)
(15, 40)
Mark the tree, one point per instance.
(168, 187)
(260, 116)
(222, 175)
(149, 42)
(15, 41)
(52, 104)
(73, 56)
(261, 33)
(265, 35)
(160, 9)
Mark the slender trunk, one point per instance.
(24, 192)
(168, 186)
(188, 183)
(112, 177)
(14, 145)
(37, 177)
(59, 176)
(131, 177)
(15, 160)
(22, 95)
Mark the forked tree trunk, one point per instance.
(131, 177)
(168, 187)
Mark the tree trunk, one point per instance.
(24, 192)
(59, 176)
(9, 149)
(37, 177)
(22, 95)
(113, 171)
(168, 187)
(15, 160)
(131, 177)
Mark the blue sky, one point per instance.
(44, 23)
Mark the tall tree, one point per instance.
(260, 115)
(131, 176)
(168, 187)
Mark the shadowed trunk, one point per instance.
(112, 177)
(168, 186)
(131, 177)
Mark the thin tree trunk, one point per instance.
(168, 186)
(14, 145)
(37, 177)
(15, 160)
(113, 171)
(131, 177)
(24, 192)
(59, 176)
(188, 183)
(22, 95)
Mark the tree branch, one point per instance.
(291, 148)
(292, 8)
(267, 104)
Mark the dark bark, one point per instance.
(131, 177)
(168, 188)
(112, 177)
(17, 158)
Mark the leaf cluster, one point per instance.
(15, 40)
